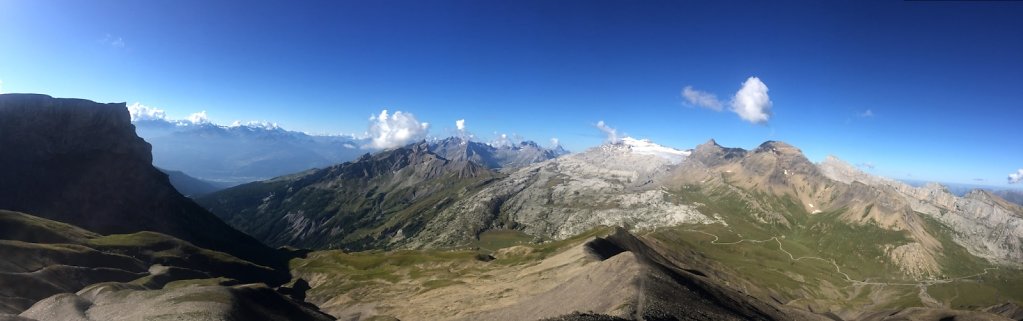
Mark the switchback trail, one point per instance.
(919, 283)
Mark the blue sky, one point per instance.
(941, 80)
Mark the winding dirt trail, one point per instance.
(641, 299)
(920, 283)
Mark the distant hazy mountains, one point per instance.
(191, 186)
(241, 153)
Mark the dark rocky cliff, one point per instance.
(80, 162)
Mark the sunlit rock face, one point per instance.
(984, 224)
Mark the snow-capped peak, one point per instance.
(647, 147)
(255, 124)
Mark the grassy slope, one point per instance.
(46, 257)
(368, 215)
(370, 275)
(856, 249)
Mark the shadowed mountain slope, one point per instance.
(80, 162)
(359, 205)
(190, 186)
(55, 271)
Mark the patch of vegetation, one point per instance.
(997, 286)
(362, 274)
(752, 215)
(156, 248)
(494, 240)
(29, 228)
(200, 282)
(434, 284)
(214, 296)
(955, 259)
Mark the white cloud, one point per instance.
(116, 42)
(1016, 177)
(867, 113)
(502, 141)
(199, 118)
(394, 130)
(555, 142)
(141, 112)
(611, 133)
(701, 98)
(461, 132)
(1, 86)
(751, 101)
(256, 124)
(867, 165)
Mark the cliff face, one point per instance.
(985, 224)
(80, 162)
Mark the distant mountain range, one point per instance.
(960, 189)
(242, 153)
(510, 155)
(232, 155)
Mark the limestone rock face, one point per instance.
(606, 185)
(40, 127)
(984, 224)
(415, 197)
(80, 162)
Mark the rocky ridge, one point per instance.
(985, 224)
(361, 204)
(613, 184)
(606, 185)
(493, 157)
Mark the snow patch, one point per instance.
(646, 147)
